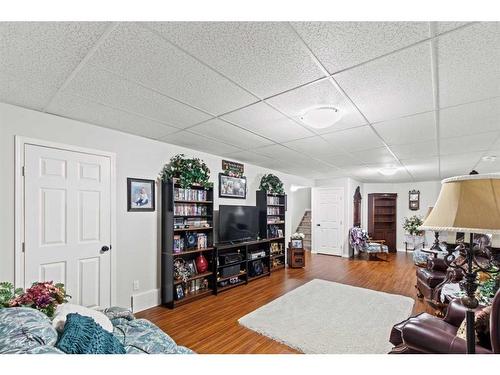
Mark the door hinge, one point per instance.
(23, 171)
(23, 247)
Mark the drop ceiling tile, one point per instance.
(37, 57)
(296, 102)
(355, 139)
(199, 143)
(225, 132)
(264, 57)
(340, 45)
(469, 119)
(260, 118)
(340, 160)
(142, 56)
(415, 150)
(275, 151)
(405, 130)
(442, 27)
(470, 143)
(84, 110)
(371, 173)
(393, 86)
(107, 88)
(458, 164)
(488, 166)
(374, 156)
(423, 168)
(247, 157)
(314, 146)
(468, 64)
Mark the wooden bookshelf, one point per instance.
(382, 218)
(193, 207)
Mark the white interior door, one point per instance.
(328, 215)
(68, 222)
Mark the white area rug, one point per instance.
(331, 318)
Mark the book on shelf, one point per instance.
(183, 194)
(273, 200)
(273, 210)
(188, 209)
(178, 244)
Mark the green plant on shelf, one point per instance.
(271, 184)
(189, 171)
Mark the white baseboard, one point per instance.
(145, 300)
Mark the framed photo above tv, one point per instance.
(232, 187)
(140, 194)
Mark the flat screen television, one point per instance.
(238, 223)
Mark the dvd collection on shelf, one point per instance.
(273, 200)
(273, 219)
(191, 241)
(273, 211)
(182, 194)
(189, 209)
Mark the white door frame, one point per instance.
(19, 224)
(314, 197)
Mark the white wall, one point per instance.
(137, 250)
(429, 192)
(301, 199)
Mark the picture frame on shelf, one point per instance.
(232, 187)
(140, 195)
(280, 232)
(297, 244)
(179, 292)
(191, 266)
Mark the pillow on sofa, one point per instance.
(63, 310)
(82, 335)
(22, 329)
(481, 328)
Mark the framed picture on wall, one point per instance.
(140, 194)
(232, 187)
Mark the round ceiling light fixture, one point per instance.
(321, 117)
(388, 171)
(489, 158)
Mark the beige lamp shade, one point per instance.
(469, 204)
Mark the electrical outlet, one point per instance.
(135, 285)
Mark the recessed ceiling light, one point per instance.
(321, 117)
(388, 171)
(489, 158)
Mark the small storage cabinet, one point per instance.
(187, 233)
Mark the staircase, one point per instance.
(305, 227)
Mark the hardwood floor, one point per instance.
(211, 325)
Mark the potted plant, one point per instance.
(188, 171)
(271, 184)
(414, 236)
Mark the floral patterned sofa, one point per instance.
(25, 330)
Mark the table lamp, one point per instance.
(468, 204)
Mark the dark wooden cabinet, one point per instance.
(382, 216)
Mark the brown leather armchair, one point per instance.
(425, 333)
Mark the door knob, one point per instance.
(105, 248)
(318, 225)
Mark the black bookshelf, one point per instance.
(244, 271)
(272, 212)
(186, 213)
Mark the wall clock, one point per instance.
(414, 200)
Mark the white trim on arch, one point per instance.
(19, 261)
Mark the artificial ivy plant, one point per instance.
(188, 171)
(272, 184)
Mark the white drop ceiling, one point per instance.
(421, 96)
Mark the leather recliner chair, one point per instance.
(426, 333)
(429, 277)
